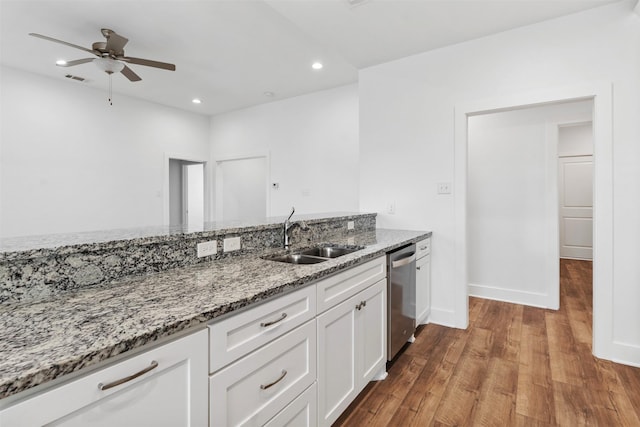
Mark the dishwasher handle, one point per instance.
(403, 261)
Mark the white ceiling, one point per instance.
(229, 53)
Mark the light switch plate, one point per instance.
(444, 188)
(207, 248)
(231, 244)
(391, 208)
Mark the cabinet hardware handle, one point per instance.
(116, 383)
(422, 248)
(266, 386)
(265, 324)
(418, 268)
(364, 303)
(359, 306)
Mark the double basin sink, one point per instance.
(314, 255)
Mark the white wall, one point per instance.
(407, 130)
(512, 161)
(71, 162)
(313, 145)
(575, 140)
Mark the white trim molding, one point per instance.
(601, 94)
(509, 295)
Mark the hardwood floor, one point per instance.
(513, 366)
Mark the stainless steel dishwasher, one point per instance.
(401, 298)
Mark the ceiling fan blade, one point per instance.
(147, 62)
(115, 42)
(76, 62)
(128, 73)
(51, 39)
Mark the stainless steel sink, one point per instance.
(296, 259)
(314, 255)
(330, 251)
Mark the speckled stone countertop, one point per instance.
(42, 341)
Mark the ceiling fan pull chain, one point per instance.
(110, 89)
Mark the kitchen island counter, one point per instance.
(44, 341)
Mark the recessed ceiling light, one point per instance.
(196, 101)
(269, 94)
(61, 62)
(316, 65)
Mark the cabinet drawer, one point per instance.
(423, 247)
(172, 392)
(335, 289)
(302, 412)
(254, 389)
(238, 335)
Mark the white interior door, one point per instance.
(576, 207)
(194, 194)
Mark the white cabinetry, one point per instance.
(257, 387)
(423, 281)
(301, 412)
(241, 333)
(172, 392)
(262, 360)
(351, 340)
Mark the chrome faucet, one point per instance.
(287, 225)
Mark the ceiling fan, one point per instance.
(110, 55)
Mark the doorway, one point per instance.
(601, 95)
(186, 193)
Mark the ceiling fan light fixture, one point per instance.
(109, 65)
(61, 62)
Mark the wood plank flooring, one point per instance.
(513, 366)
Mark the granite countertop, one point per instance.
(43, 341)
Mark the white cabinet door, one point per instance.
(372, 333)
(336, 360)
(423, 289)
(173, 393)
(351, 349)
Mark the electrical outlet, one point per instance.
(207, 248)
(231, 244)
(351, 225)
(444, 188)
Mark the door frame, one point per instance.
(217, 199)
(601, 94)
(165, 184)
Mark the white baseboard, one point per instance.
(627, 354)
(509, 295)
(442, 317)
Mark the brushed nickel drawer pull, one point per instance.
(266, 386)
(116, 383)
(273, 322)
